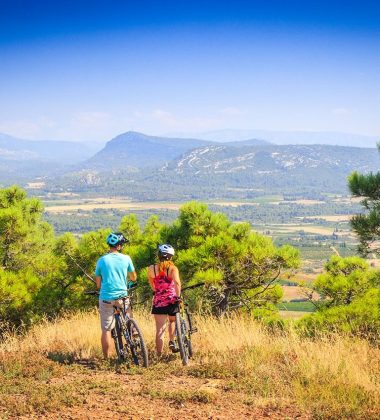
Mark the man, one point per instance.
(111, 275)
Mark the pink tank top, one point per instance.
(164, 289)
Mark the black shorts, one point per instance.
(170, 310)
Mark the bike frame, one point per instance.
(184, 328)
(127, 334)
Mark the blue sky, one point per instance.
(89, 70)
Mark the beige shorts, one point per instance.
(106, 312)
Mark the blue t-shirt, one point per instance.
(113, 269)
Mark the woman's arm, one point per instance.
(177, 280)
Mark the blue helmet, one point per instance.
(116, 238)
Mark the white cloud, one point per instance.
(21, 128)
(138, 114)
(170, 121)
(94, 119)
(341, 111)
(231, 111)
(166, 118)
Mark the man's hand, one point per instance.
(98, 281)
(132, 276)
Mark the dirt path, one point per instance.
(150, 395)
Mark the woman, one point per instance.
(166, 285)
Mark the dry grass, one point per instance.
(294, 292)
(293, 314)
(327, 378)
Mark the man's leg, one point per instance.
(106, 322)
(160, 332)
(106, 341)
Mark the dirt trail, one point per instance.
(151, 395)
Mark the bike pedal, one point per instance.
(194, 330)
(173, 347)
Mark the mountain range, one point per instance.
(149, 167)
(139, 150)
(153, 168)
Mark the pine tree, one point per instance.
(26, 261)
(367, 225)
(239, 266)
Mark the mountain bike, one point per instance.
(127, 335)
(184, 327)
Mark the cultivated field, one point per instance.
(68, 206)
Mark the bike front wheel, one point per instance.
(118, 340)
(182, 338)
(189, 328)
(137, 344)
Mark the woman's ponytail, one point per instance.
(165, 265)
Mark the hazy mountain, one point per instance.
(139, 150)
(192, 168)
(293, 137)
(250, 142)
(64, 152)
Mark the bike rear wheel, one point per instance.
(182, 338)
(137, 344)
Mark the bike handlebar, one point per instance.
(96, 292)
(192, 287)
(91, 292)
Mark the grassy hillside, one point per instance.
(239, 370)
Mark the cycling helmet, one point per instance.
(116, 238)
(165, 251)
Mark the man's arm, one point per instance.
(132, 275)
(98, 281)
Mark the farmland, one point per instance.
(318, 228)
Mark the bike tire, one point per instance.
(137, 344)
(189, 324)
(181, 329)
(118, 340)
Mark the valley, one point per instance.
(296, 194)
(318, 228)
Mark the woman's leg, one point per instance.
(171, 328)
(160, 331)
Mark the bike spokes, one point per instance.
(137, 345)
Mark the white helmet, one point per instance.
(165, 251)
